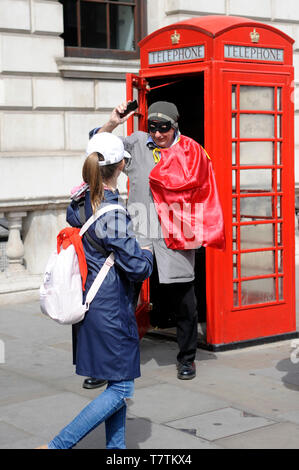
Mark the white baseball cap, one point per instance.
(108, 145)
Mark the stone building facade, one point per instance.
(48, 103)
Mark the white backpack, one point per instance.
(61, 294)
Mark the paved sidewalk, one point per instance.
(243, 399)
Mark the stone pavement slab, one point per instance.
(44, 416)
(279, 436)
(220, 423)
(163, 402)
(11, 434)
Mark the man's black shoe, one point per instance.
(93, 383)
(186, 371)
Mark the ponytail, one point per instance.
(93, 177)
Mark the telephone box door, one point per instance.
(258, 138)
(136, 89)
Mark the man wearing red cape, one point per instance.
(186, 199)
(174, 205)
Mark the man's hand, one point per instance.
(115, 119)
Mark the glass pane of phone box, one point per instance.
(258, 98)
(257, 236)
(256, 208)
(256, 153)
(257, 263)
(258, 291)
(256, 180)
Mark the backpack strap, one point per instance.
(93, 243)
(99, 213)
(99, 280)
(91, 220)
(109, 262)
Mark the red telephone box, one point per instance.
(232, 81)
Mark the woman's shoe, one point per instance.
(93, 383)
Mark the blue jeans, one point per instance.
(110, 407)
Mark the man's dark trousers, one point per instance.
(176, 300)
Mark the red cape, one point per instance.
(186, 199)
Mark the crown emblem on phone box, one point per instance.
(255, 37)
(175, 38)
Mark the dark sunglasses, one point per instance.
(162, 127)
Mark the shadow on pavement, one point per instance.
(291, 379)
(138, 430)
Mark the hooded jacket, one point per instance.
(107, 341)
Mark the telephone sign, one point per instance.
(176, 55)
(253, 53)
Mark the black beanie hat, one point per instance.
(164, 111)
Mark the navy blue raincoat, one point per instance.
(107, 341)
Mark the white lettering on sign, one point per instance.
(176, 55)
(253, 53)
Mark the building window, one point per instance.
(103, 28)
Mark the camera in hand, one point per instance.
(131, 106)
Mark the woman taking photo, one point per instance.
(107, 343)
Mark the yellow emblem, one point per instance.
(175, 38)
(255, 37)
